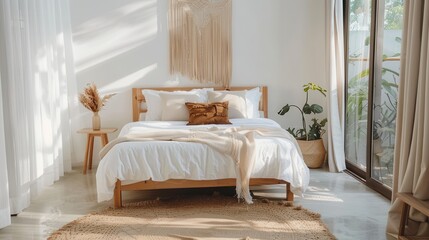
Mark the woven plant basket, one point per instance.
(313, 152)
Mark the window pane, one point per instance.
(385, 96)
(357, 85)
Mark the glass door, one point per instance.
(385, 89)
(358, 68)
(374, 30)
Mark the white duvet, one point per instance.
(278, 158)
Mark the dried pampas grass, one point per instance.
(90, 98)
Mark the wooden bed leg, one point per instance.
(289, 193)
(404, 217)
(117, 198)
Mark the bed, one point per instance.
(147, 165)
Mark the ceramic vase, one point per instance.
(96, 121)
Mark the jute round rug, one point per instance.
(202, 217)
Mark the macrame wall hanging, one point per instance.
(200, 40)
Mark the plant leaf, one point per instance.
(367, 41)
(307, 109)
(316, 108)
(284, 110)
(391, 71)
(314, 87)
(306, 87)
(292, 131)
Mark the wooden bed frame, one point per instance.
(137, 100)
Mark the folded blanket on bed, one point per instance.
(237, 142)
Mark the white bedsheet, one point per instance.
(162, 160)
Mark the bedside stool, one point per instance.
(408, 200)
(102, 133)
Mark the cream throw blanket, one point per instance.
(237, 142)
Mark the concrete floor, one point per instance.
(350, 209)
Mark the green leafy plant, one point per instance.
(316, 128)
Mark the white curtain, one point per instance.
(4, 188)
(411, 161)
(335, 77)
(37, 75)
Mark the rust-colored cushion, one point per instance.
(208, 113)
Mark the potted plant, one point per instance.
(309, 137)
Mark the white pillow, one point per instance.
(236, 102)
(252, 102)
(142, 116)
(173, 105)
(154, 105)
(242, 104)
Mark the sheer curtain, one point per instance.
(335, 76)
(411, 161)
(37, 76)
(4, 192)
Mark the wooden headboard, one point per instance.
(138, 97)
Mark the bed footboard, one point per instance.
(176, 183)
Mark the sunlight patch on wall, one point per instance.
(176, 80)
(126, 82)
(173, 82)
(114, 33)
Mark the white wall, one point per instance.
(120, 44)
(302, 44)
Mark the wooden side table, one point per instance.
(102, 133)
(410, 201)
